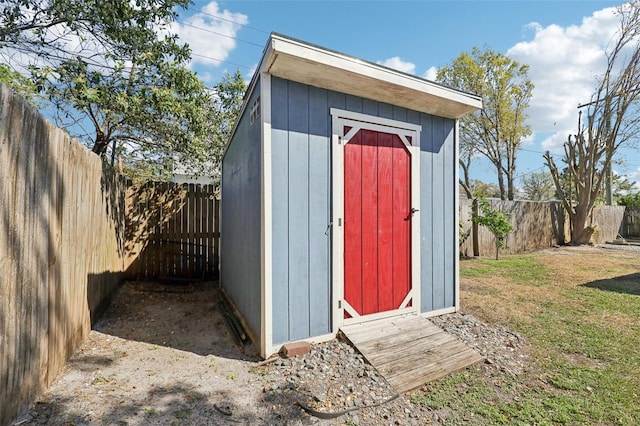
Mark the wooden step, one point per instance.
(410, 351)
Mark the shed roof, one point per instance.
(306, 63)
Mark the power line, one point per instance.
(220, 34)
(221, 60)
(540, 152)
(530, 172)
(229, 20)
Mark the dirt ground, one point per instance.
(162, 354)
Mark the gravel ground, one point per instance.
(624, 247)
(163, 355)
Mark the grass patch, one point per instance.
(580, 312)
(528, 269)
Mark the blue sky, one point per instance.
(561, 41)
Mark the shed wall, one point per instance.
(240, 218)
(301, 185)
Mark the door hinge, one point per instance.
(339, 304)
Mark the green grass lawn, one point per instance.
(579, 310)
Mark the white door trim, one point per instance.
(358, 121)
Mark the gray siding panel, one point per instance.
(369, 107)
(426, 214)
(438, 214)
(301, 184)
(280, 209)
(240, 220)
(280, 223)
(449, 217)
(385, 110)
(301, 196)
(319, 190)
(400, 114)
(336, 100)
(298, 212)
(354, 103)
(437, 209)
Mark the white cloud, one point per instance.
(249, 74)
(211, 40)
(431, 74)
(564, 64)
(555, 142)
(529, 140)
(398, 64)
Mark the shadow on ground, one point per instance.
(184, 316)
(627, 284)
(171, 404)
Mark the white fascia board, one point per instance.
(313, 65)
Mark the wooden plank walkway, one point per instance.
(410, 351)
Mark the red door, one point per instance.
(377, 223)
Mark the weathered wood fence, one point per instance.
(536, 226)
(173, 231)
(631, 228)
(61, 249)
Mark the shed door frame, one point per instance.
(407, 131)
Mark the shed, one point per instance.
(339, 195)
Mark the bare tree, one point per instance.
(612, 120)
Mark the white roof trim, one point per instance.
(313, 65)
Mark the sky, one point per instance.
(563, 43)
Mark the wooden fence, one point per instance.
(173, 231)
(631, 228)
(536, 226)
(61, 249)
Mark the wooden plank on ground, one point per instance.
(382, 353)
(394, 326)
(410, 351)
(404, 337)
(435, 370)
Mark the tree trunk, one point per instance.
(474, 228)
(510, 187)
(501, 184)
(474, 208)
(580, 232)
(101, 143)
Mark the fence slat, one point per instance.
(536, 225)
(181, 221)
(52, 212)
